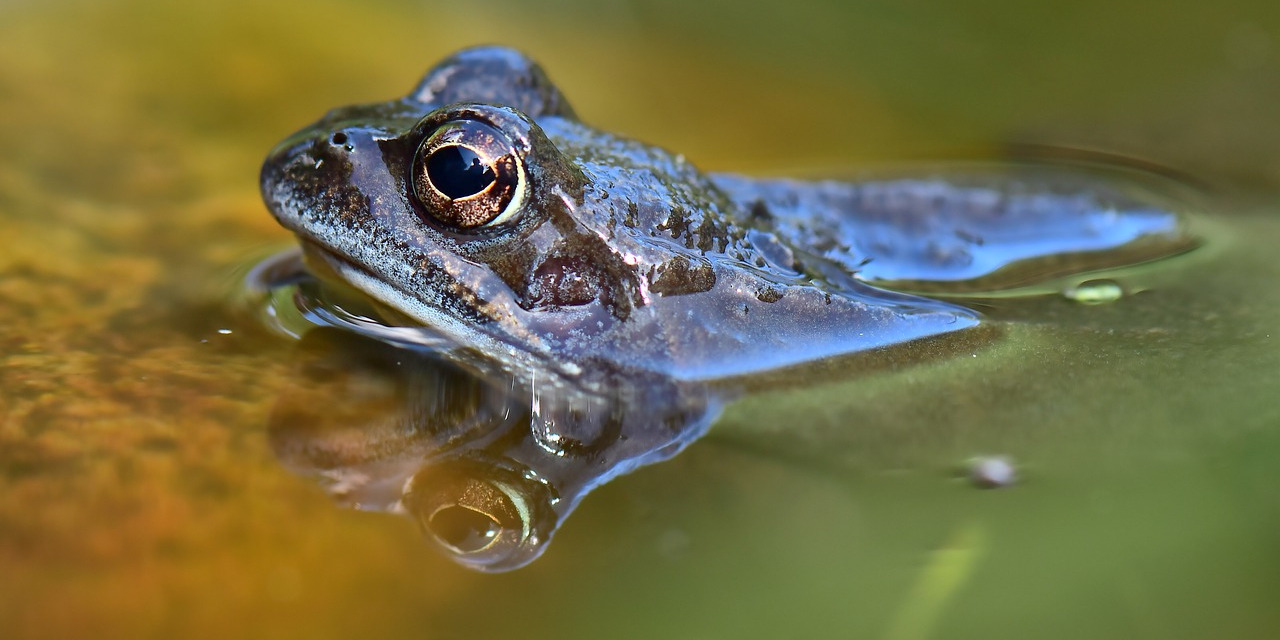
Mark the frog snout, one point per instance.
(307, 177)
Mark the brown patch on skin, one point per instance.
(678, 276)
(516, 266)
(759, 212)
(582, 268)
(678, 224)
(563, 282)
(768, 293)
(712, 235)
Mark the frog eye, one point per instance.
(467, 175)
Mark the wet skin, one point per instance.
(611, 279)
(586, 247)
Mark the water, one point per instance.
(140, 495)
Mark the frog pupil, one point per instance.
(457, 172)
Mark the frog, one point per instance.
(482, 206)
(615, 290)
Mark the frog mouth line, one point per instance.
(408, 321)
(326, 264)
(359, 280)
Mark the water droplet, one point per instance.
(1099, 291)
(992, 472)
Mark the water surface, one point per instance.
(139, 495)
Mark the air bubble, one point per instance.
(1100, 291)
(991, 472)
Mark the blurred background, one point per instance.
(139, 497)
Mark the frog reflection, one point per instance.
(488, 463)
(607, 282)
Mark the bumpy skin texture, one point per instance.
(619, 280)
(626, 254)
(623, 253)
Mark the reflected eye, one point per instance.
(485, 516)
(464, 529)
(467, 175)
(472, 517)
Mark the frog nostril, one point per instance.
(338, 139)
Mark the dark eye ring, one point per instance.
(467, 175)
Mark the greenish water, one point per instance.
(139, 496)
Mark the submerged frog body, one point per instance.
(610, 280)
